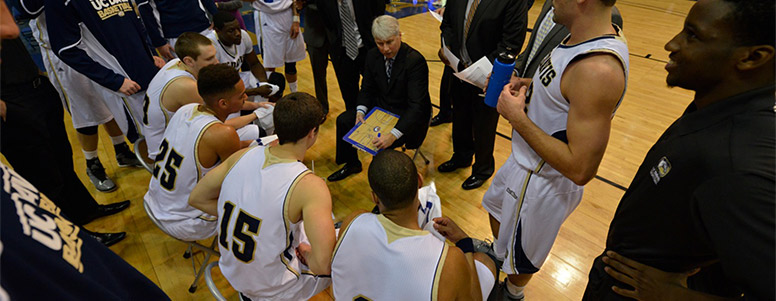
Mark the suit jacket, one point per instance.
(552, 40)
(405, 95)
(497, 25)
(365, 10)
(314, 29)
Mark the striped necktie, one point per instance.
(388, 68)
(348, 30)
(469, 19)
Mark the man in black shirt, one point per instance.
(34, 141)
(704, 194)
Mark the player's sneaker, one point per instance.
(486, 246)
(125, 157)
(97, 175)
(500, 293)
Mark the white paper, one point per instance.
(266, 140)
(436, 15)
(477, 73)
(450, 57)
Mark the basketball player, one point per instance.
(558, 144)
(282, 45)
(268, 203)
(195, 141)
(176, 85)
(411, 262)
(81, 96)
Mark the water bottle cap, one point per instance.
(506, 57)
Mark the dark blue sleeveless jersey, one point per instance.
(116, 27)
(44, 256)
(176, 17)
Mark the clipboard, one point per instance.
(376, 121)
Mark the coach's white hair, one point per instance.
(384, 27)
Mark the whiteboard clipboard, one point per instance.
(378, 121)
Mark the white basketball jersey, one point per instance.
(547, 107)
(256, 239)
(232, 55)
(155, 116)
(376, 259)
(177, 168)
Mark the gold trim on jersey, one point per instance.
(510, 253)
(196, 148)
(342, 235)
(438, 273)
(161, 95)
(270, 159)
(132, 116)
(287, 221)
(394, 231)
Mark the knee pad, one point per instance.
(290, 68)
(89, 130)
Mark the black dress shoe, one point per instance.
(110, 209)
(450, 166)
(440, 119)
(107, 239)
(344, 172)
(473, 182)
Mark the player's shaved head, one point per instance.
(216, 81)
(393, 177)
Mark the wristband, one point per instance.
(466, 245)
(296, 19)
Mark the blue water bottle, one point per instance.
(503, 67)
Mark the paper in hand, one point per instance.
(477, 73)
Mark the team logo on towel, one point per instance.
(661, 170)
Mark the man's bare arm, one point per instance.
(180, 92)
(257, 69)
(312, 194)
(593, 87)
(205, 194)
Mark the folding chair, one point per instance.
(211, 285)
(209, 251)
(141, 150)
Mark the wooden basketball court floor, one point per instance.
(648, 108)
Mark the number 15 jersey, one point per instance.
(257, 240)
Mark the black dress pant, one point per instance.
(319, 60)
(474, 128)
(348, 74)
(34, 141)
(445, 101)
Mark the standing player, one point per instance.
(397, 244)
(195, 141)
(559, 143)
(282, 43)
(80, 96)
(166, 20)
(121, 63)
(267, 203)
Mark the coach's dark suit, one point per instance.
(552, 40)
(347, 70)
(498, 25)
(318, 49)
(406, 95)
